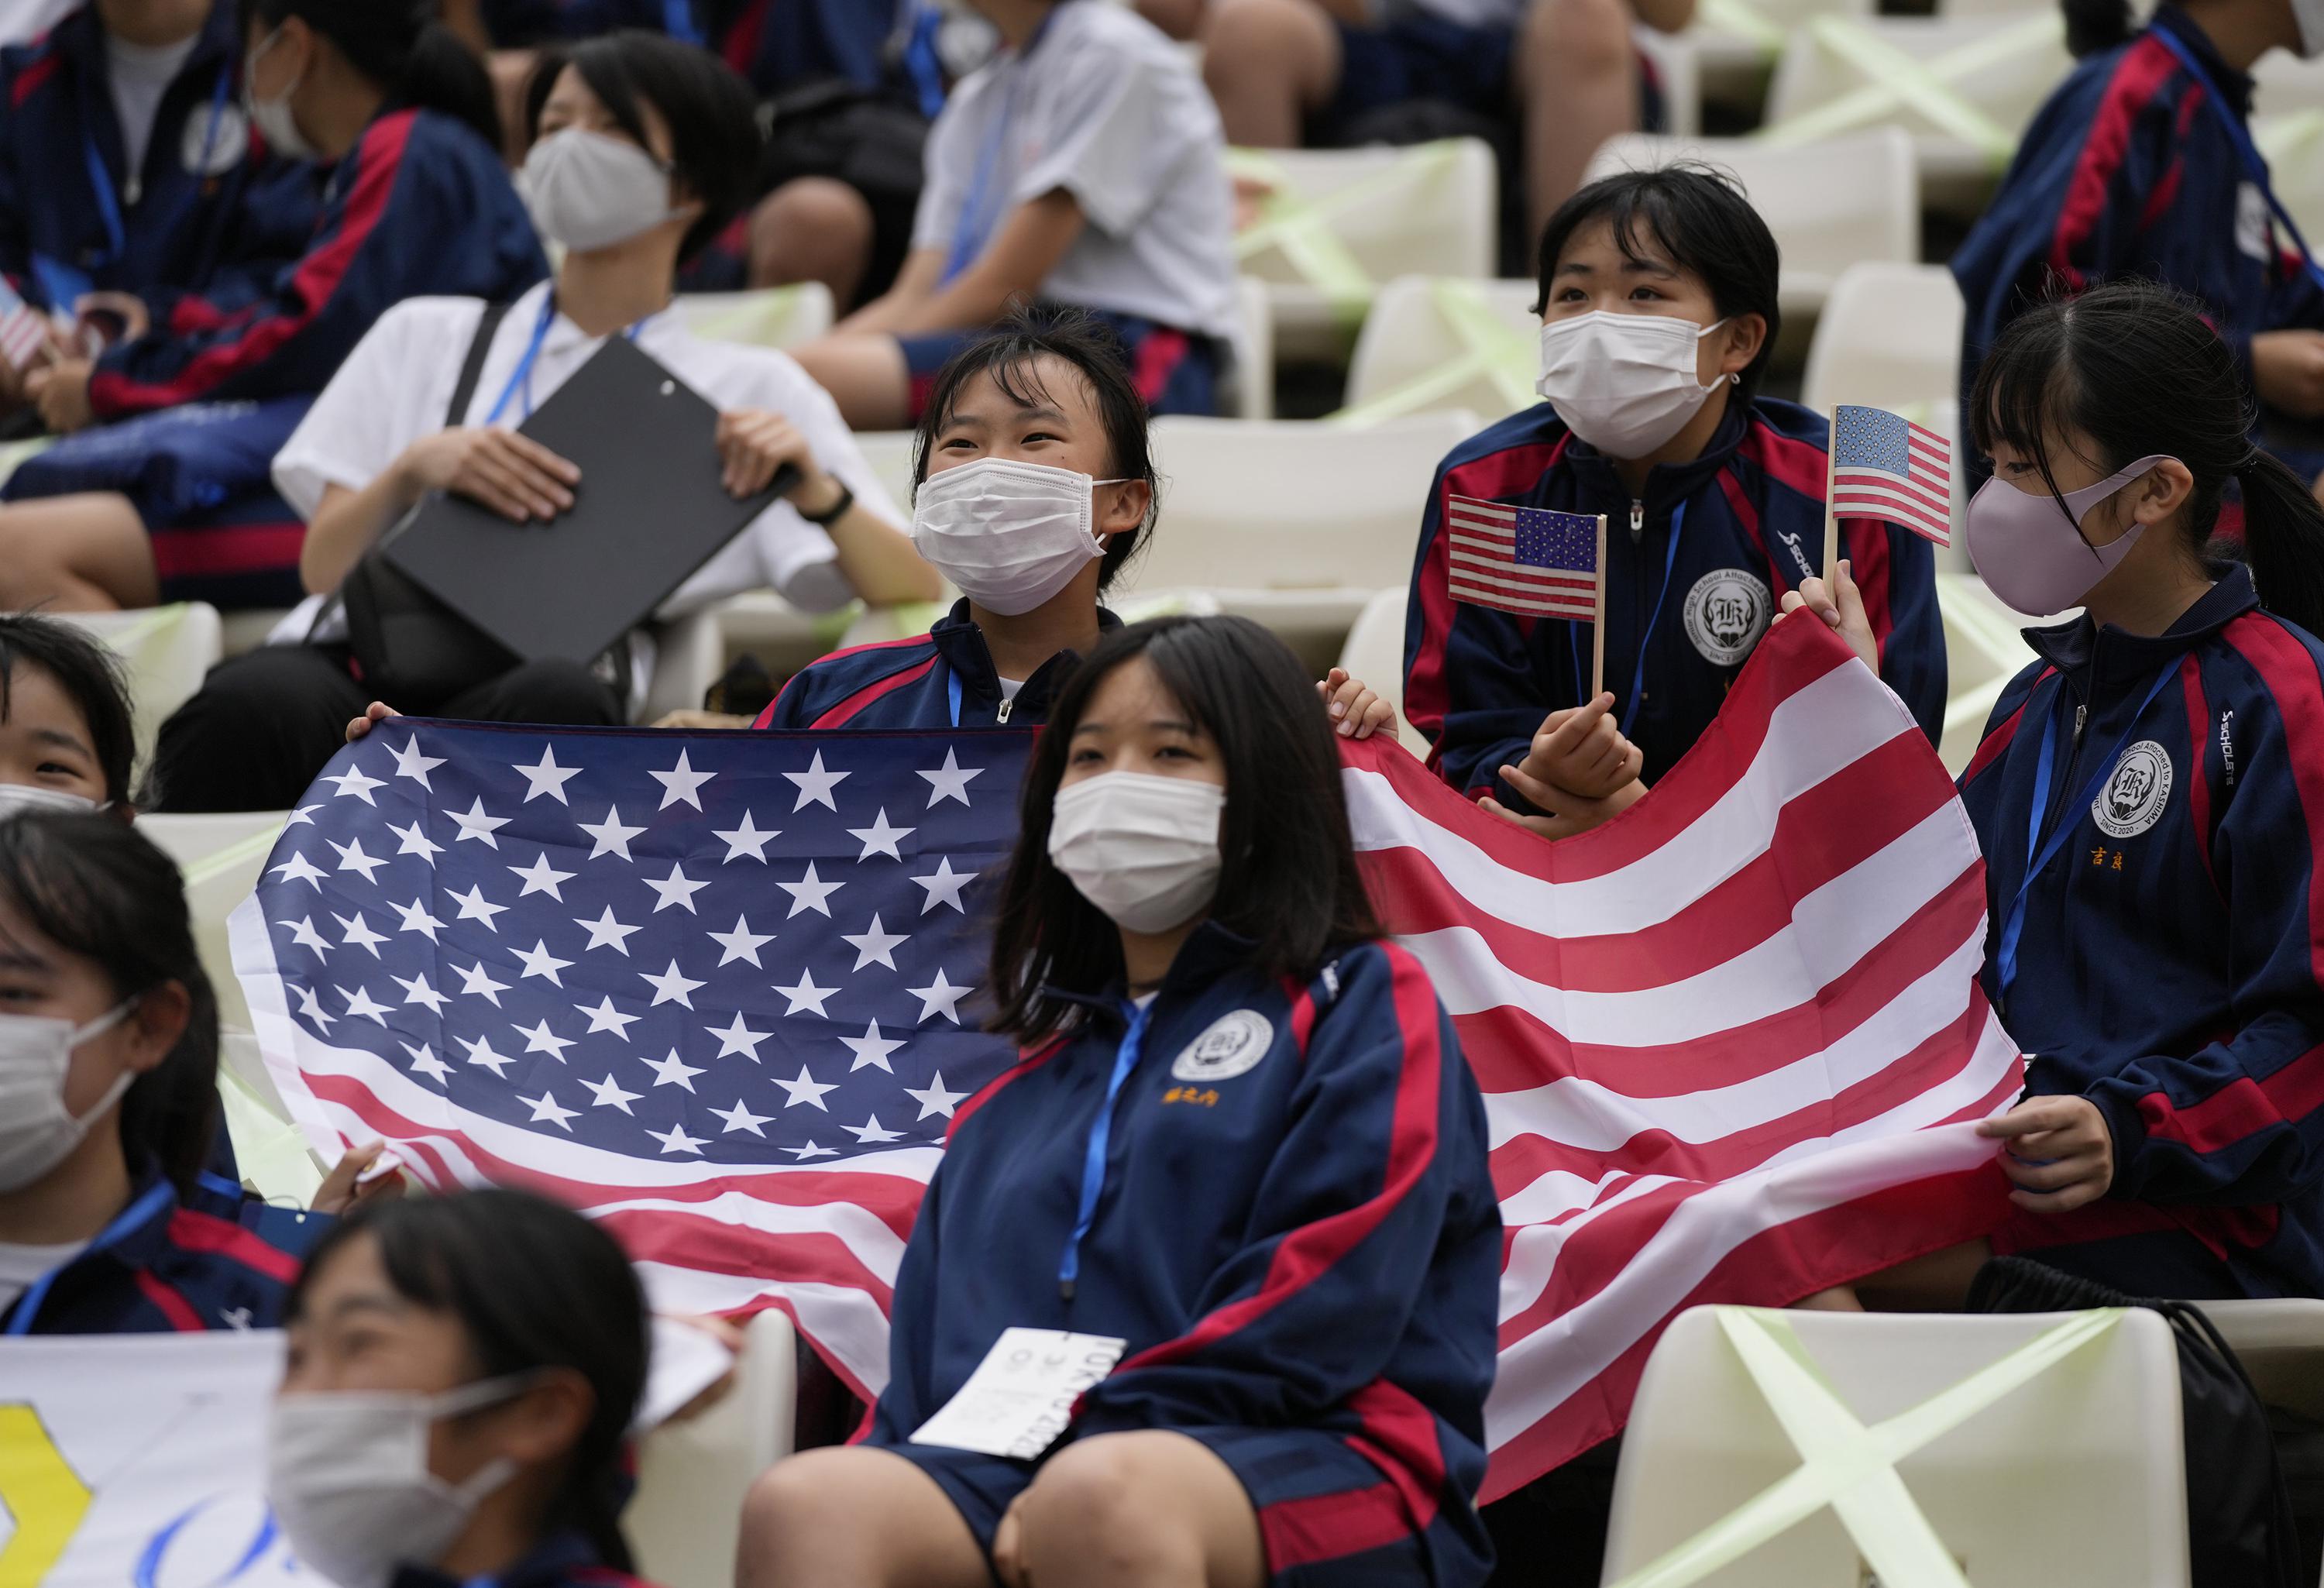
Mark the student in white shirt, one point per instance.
(1082, 168)
(644, 147)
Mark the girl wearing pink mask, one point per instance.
(2148, 795)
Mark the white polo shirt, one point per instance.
(1110, 110)
(395, 389)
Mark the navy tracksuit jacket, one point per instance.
(1478, 681)
(1296, 1227)
(210, 211)
(907, 684)
(2171, 965)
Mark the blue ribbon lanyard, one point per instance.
(100, 179)
(521, 376)
(2254, 166)
(2040, 851)
(923, 64)
(144, 1208)
(678, 22)
(952, 689)
(1638, 672)
(974, 227)
(1125, 1059)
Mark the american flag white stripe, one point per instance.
(1484, 569)
(1749, 1007)
(24, 332)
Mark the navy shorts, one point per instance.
(1175, 371)
(1421, 58)
(1330, 1518)
(240, 555)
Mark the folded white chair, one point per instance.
(1436, 343)
(164, 651)
(687, 1515)
(222, 857)
(768, 317)
(1889, 337)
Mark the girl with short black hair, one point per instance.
(462, 1376)
(66, 739)
(1242, 1147)
(1659, 309)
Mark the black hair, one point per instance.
(89, 675)
(1699, 219)
(2136, 367)
(99, 888)
(1010, 353)
(2095, 26)
(713, 121)
(404, 47)
(1290, 881)
(533, 1285)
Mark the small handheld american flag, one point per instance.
(1885, 467)
(23, 330)
(1526, 560)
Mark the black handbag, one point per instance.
(413, 652)
(2240, 1531)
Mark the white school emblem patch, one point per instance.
(1726, 612)
(204, 154)
(2254, 224)
(1234, 1044)
(2132, 799)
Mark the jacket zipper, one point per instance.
(1006, 704)
(1637, 522)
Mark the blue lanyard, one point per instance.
(100, 179)
(974, 227)
(678, 22)
(923, 64)
(2254, 167)
(1125, 1059)
(146, 1208)
(522, 374)
(1654, 618)
(952, 689)
(2040, 853)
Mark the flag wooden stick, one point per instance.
(1597, 622)
(1831, 565)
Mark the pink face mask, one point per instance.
(2031, 554)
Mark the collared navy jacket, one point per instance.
(210, 211)
(2171, 967)
(1478, 681)
(420, 207)
(164, 1266)
(907, 684)
(1296, 1227)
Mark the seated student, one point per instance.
(1279, 1160)
(109, 1064)
(416, 202)
(642, 146)
(1083, 169)
(2146, 797)
(1566, 70)
(1658, 308)
(127, 167)
(66, 742)
(462, 1375)
(2141, 164)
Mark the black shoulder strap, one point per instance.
(473, 370)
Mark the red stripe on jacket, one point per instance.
(172, 1305)
(1024, 1067)
(846, 710)
(766, 718)
(1998, 738)
(2199, 740)
(2145, 67)
(379, 161)
(28, 82)
(1305, 1254)
(199, 1231)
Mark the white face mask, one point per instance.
(1143, 849)
(272, 117)
(1623, 383)
(347, 1478)
(36, 1131)
(1009, 535)
(589, 190)
(16, 798)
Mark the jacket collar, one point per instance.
(2104, 659)
(961, 642)
(1209, 951)
(1668, 484)
(555, 1560)
(132, 1239)
(2235, 85)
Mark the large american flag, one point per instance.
(1527, 561)
(1885, 467)
(722, 991)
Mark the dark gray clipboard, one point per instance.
(650, 510)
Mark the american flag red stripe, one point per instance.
(24, 332)
(1732, 1044)
(1485, 571)
(1919, 496)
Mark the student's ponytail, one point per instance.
(404, 47)
(2283, 540)
(2094, 25)
(441, 73)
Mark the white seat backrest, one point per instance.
(2293, 147)
(2006, 84)
(165, 651)
(2287, 85)
(1830, 205)
(890, 454)
(1889, 337)
(2076, 1475)
(1678, 73)
(1374, 652)
(1291, 506)
(769, 317)
(1427, 209)
(1254, 351)
(687, 1517)
(1407, 335)
(222, 857)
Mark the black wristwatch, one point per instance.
(833, 513)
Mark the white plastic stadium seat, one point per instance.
(1374, 652)
(2281, 1344)
(222, 857)
(687, 1515)
(2286, 84)
(1963, 87)
(1252, 385)
(165, 652)
(1374, 214)
(1829, 206)
(1411, 355)
(2293, 147)
(1735, 42)
(771, 316)
(1984, 649)
(1295, 525)
(1890, 337)
(2078, 1475)
(1678, 71)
